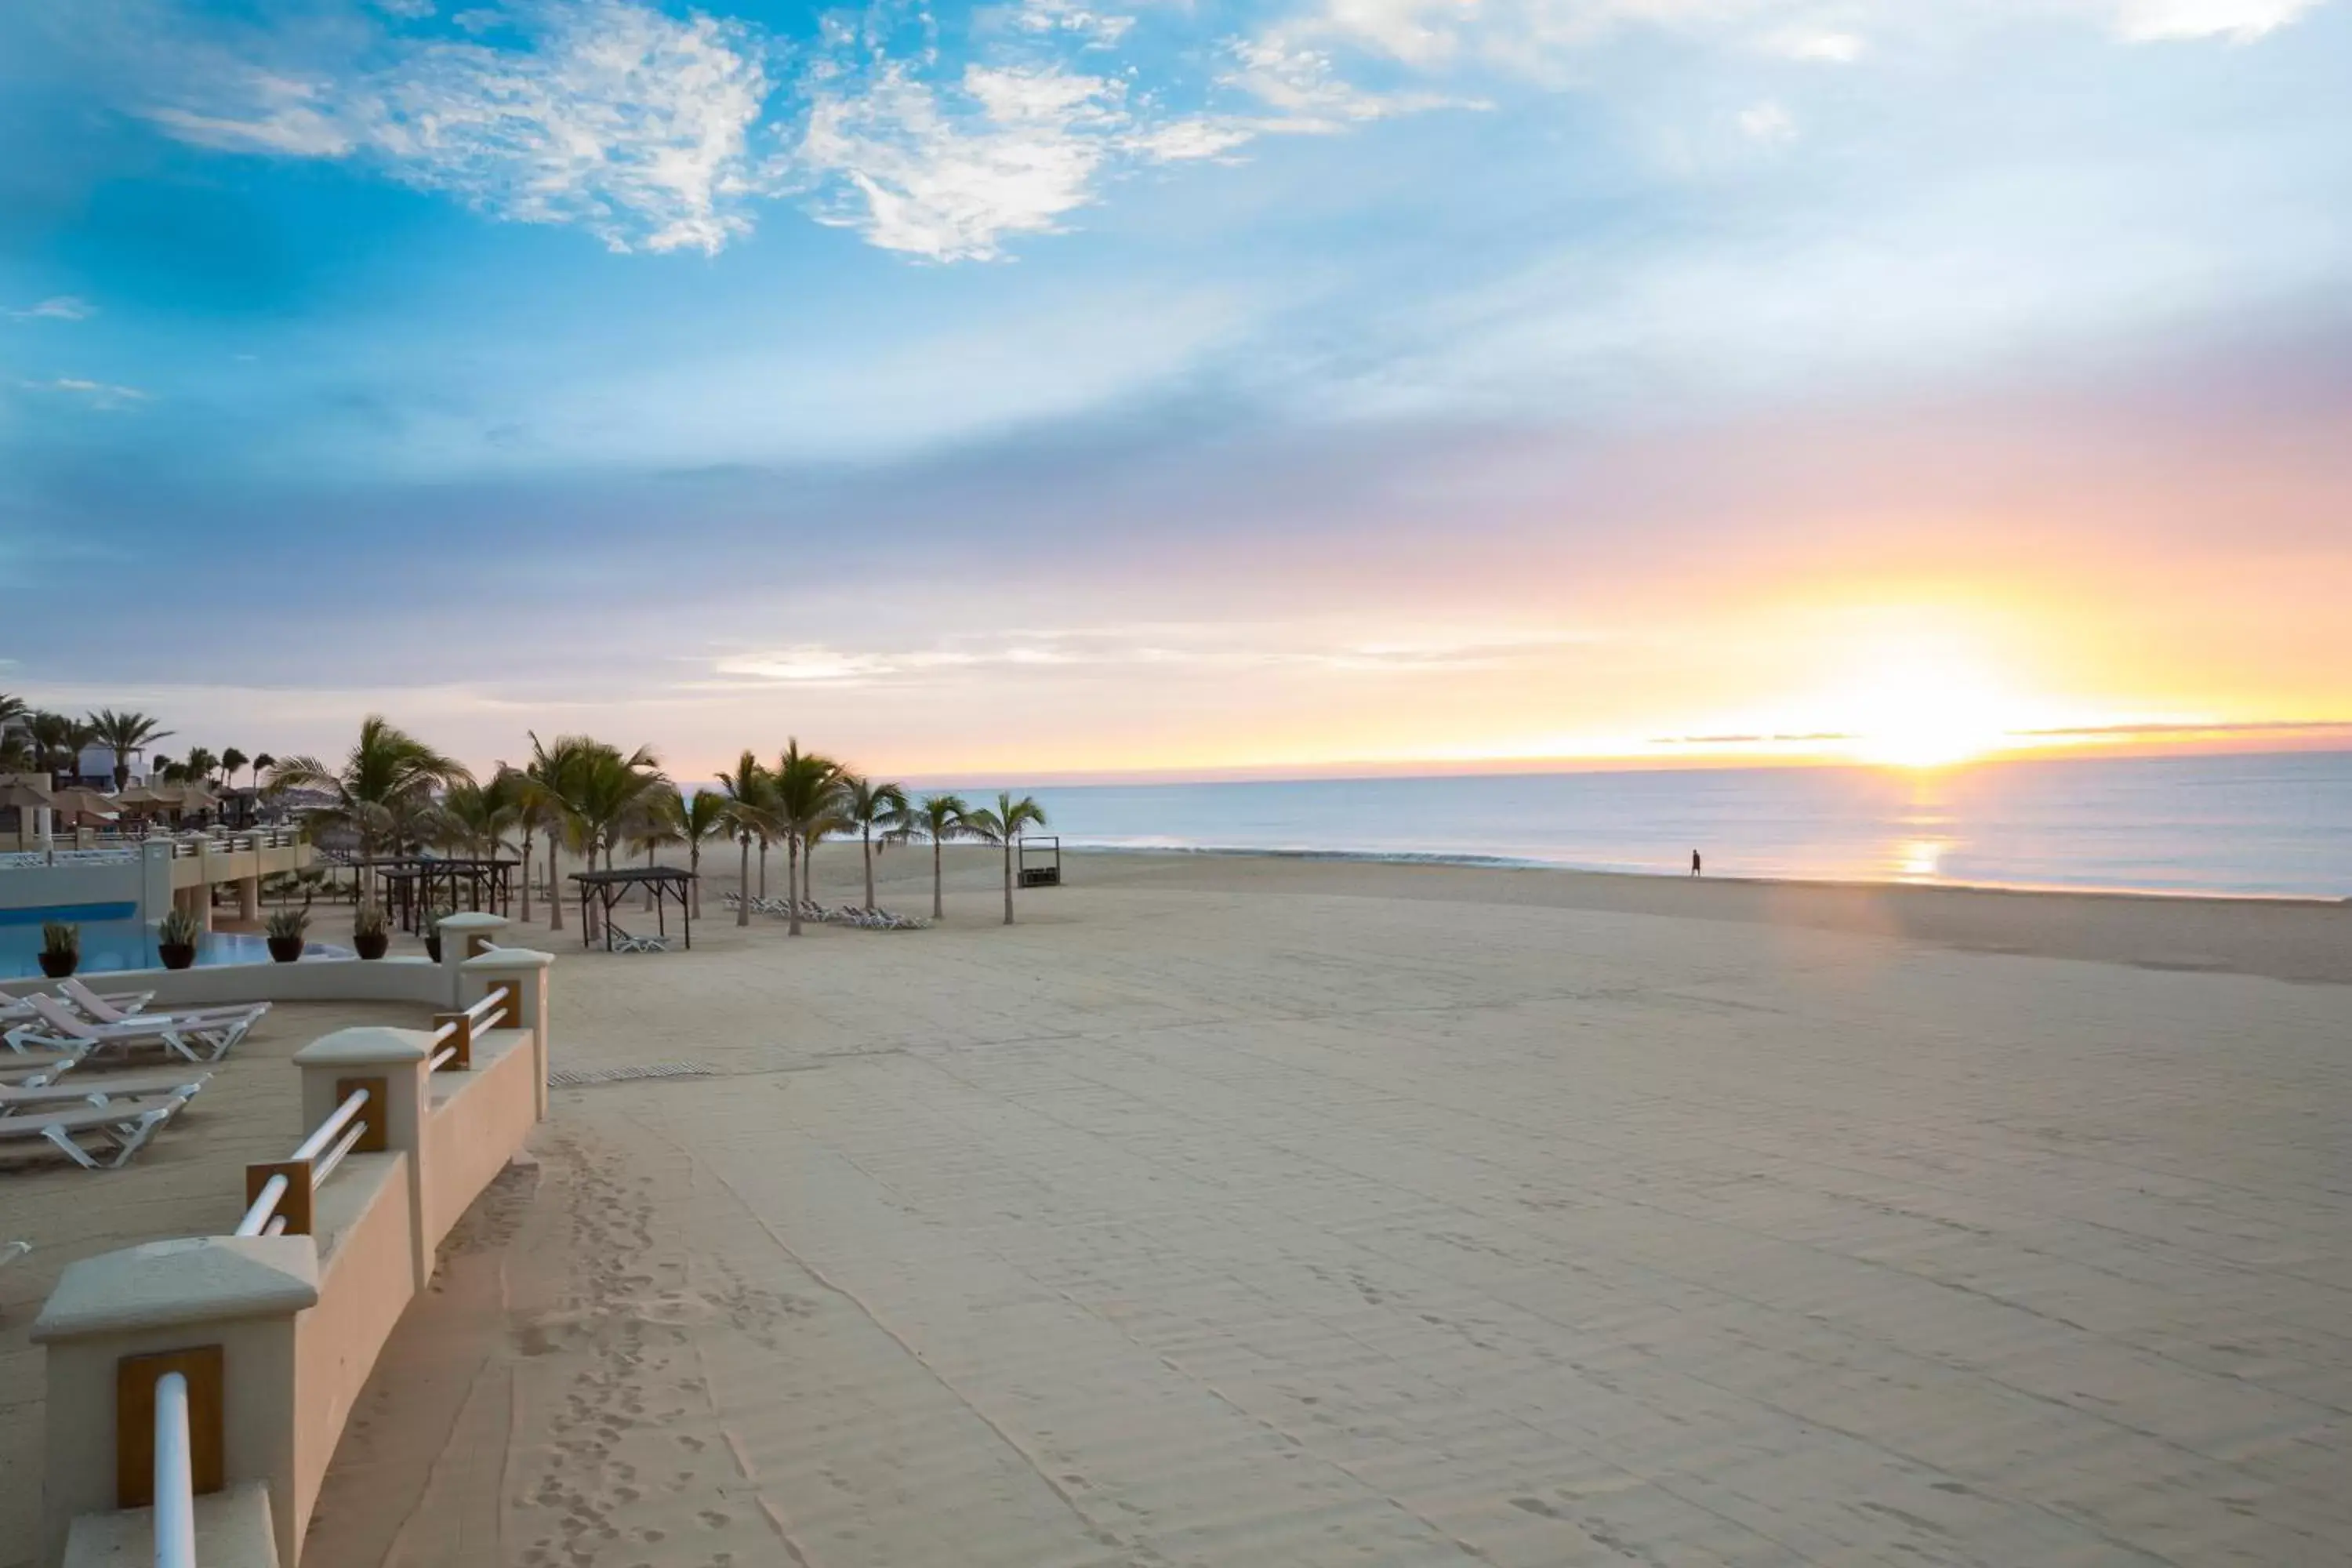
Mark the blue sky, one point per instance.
(1172, 385)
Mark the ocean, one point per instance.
(2276, 824)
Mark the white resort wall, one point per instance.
(293, 1323)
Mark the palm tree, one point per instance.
(231, 761)
(384, 781)
(652, 822)
(805, 785)
(1004, 825)
(866, 805)
(543, 811)
(58, 740)
(749, 796)
(199, 764)
(13, 743)
(936, 818)
(700, 818)
(262, 764)
(475, 817)
(598, 790)
(126, 735)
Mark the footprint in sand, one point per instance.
(714, 1519)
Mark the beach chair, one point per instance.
(199, 1038)
(106, 1010)
(106, 1007)
(19, 1009)
(33, 1069)
(101, 1089)
(623, 943)
(96, 1138)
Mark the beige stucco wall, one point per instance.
(365, 1282)
(480, 1119)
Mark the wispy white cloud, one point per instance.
(2242, 21)
(1169, 649)
(96, 394)
(609, 114)
(1098, 28)
(952, 172)
(1306, 93)
(1769, 123)
(58, 308)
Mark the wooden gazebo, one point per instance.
(604, 889)
(413, 886)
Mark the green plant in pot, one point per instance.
(60, 949)
(432, 932)
(287, 929)
(175, 938)
(370, 934)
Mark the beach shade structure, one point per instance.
(604, 889)
(22, 792)
(78, 804)
(413, 886)
(1041, 860)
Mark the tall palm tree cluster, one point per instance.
(38, 740)
(806, 797)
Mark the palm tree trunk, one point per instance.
(554, 888)
(939, 909)
(649, 887)
(867, 840)
(1008, 879)
(792, 852)
(743, 883)
(764, 865)
(526, 876)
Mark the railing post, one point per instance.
(392, 1065)
(219, 1311)
(464, 936)
(522, 972)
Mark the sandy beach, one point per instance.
(1235, 1210)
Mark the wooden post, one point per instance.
(134, 1421)
(461, 1039)
(294, 1204)
(373, 1139)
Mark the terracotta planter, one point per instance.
(176, 954)
(373, 945)
(57, 966)
(286, 949)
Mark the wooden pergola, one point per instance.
(414, 888)
(606, 888)
(1040, 860)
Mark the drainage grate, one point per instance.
(573, 1077)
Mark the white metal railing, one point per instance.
(322, 1151)
(175, 1486)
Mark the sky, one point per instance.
(1183, 387)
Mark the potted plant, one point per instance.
(370, 935)
(432, 932)
(60, 949)
(176, 939)
(287, 930)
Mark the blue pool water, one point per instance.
(113, 937)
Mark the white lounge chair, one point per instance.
(32, 1070)
(18, 1009)
(199, 1038)
(96, 1138)
(101, 1089)
(106, 1007)
(105, 1010)
(623, 943)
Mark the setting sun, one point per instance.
(1927, 705)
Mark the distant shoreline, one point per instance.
(1521, 863)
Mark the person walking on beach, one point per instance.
(1695, 863)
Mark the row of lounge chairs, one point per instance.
(50, 1105)
(843, 915)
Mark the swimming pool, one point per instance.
(114, 937)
